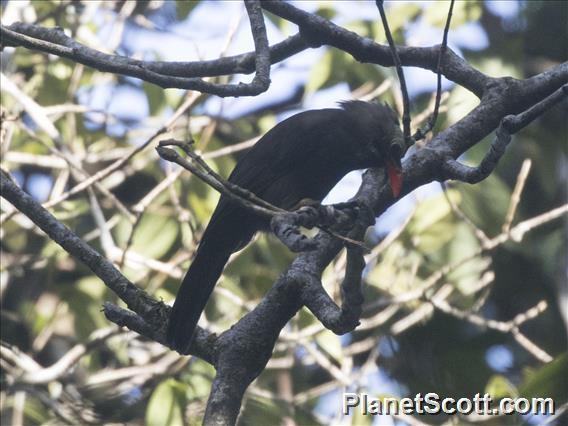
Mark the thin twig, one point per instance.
(511, 326)
(205, 173)
(400, 73)
(481, 236)
(234, 192)
(518, 231)
(130, 239)
(389, 239)
(102, 174)
(516, 195)
(421, 133)
(33, 373)
(516, 234)
(419, 118)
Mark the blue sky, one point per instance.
(202, 36)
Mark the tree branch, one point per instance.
(250, 342)
(421, 133)
(54, 40)
(318, 31)
(400, 73)
(339, 320)
(148, 315)
(453, 169)
(51, 40)
(284, 224)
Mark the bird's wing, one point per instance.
(287, 147)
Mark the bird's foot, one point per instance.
(340, 217)
(186, 146)
(287, 228)
(358, 211)
(344, 216)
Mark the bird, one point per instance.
(301, 158)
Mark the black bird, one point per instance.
(303, 157)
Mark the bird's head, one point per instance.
(384, 144)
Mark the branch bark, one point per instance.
(54, 40)
(241, 353)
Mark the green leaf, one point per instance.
(155, 235)
(166, 404)
(466, 277)
(464, 11)
(326, 9)
(262, 411)
(399, 15)
(199, 378)
(435, 236)
(266, 123)
(549, 381)
(486, 203)
(460, 103)
(184, 8)
(394, 272)
(430, 211)
(86, 309)
(60, 70)
(499, 387)
(156, 97)
(497, 67)
(320, 73)
(330, 343)
(432, 225)
(202, 199)
(92, 286)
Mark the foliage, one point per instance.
(50, 302)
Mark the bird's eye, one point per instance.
(395, 151)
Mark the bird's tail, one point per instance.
(219, 241)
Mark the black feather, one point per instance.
(302, 157)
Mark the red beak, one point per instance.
(394, 172)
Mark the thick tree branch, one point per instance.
(339, 320)
(314, 32)
(250, 342)
(318, 31)
(453, 169)
(55, 41)
(148, 316)
(241, 353)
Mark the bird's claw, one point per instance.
(356, 211)
(287, 230)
